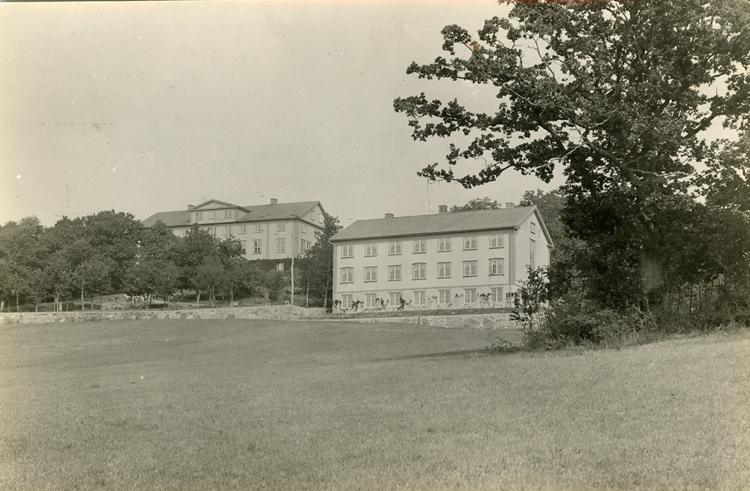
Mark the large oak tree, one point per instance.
(617, 95)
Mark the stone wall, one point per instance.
(456, 321)
(274, 312)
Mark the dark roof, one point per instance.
(442, 223)
(257, 213)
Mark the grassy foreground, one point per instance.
(198, 405)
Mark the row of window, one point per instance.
(242, 229)
(419, 246)
(214, 214)
(419, 271)
(444, 297)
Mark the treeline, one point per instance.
(111, 252)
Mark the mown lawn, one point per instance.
(198, 405)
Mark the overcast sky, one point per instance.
(143, 106)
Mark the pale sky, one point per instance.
(150, 106)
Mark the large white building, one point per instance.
(272, 231)
(447, 260)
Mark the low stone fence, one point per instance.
(456, 321)
(272, 312)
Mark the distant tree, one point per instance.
(316, 265)
(477, 204)
(21, 253)
(209, 277)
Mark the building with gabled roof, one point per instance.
(272, 231)
(448, 260)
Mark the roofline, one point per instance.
(425, 234)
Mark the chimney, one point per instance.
(274, 201)
(389, 215)
(509, 205)
(190, 207)
(443, 209)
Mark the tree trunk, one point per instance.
(652, 269)
(197, 298)
(83, 301)
(17, 302)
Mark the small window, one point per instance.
(532, 227)
(281, 227)
(496, 267)
(370, 300)
(444, 270)
(346, 302)
(228, 230)
(419, 297)
(212, 215)
(257, 228)
(496, 241)
(347, 275)
(394, 273)
(371, 249)
(244, 246)
(444, 297)
(280, 246)
(243, 229)
(198, 216)
(394, 298)
(394, 248)
(305, 245)
(470, 295)
(419, 271)
(420, 246)
(257, 246)
(304, 228)
(347, 250)
(470, 268)
(371, 274)
(470, 243)
(497, 294)
(444, 244)
(228, 214)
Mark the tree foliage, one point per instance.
(618, 95)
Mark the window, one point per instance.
(304, 228)
(347, 250)
(419, 297)
(496, 266)
(227, 213)
(281, 227)
(470, 268)
(532, 227)
(257, 228)
(444, 244)
(243, 229)
(346, 302)
(370, 300)
(419, 271)
(470, 243)
(244, 246)
(371, 274)
(420, 246)
(347, 275)
(257, 246)
(532, 254)
(228, 230)
(394, 298)
(497, 294)
(198, 216)
(213, 231)
(394, 248)
(496, 241)
(470, 295)
(371, 249)
(444, 297)
(394, 273)
(280, 267)
(444, 270)
(280, 246)
(305, 245)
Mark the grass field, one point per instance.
(199, 405)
